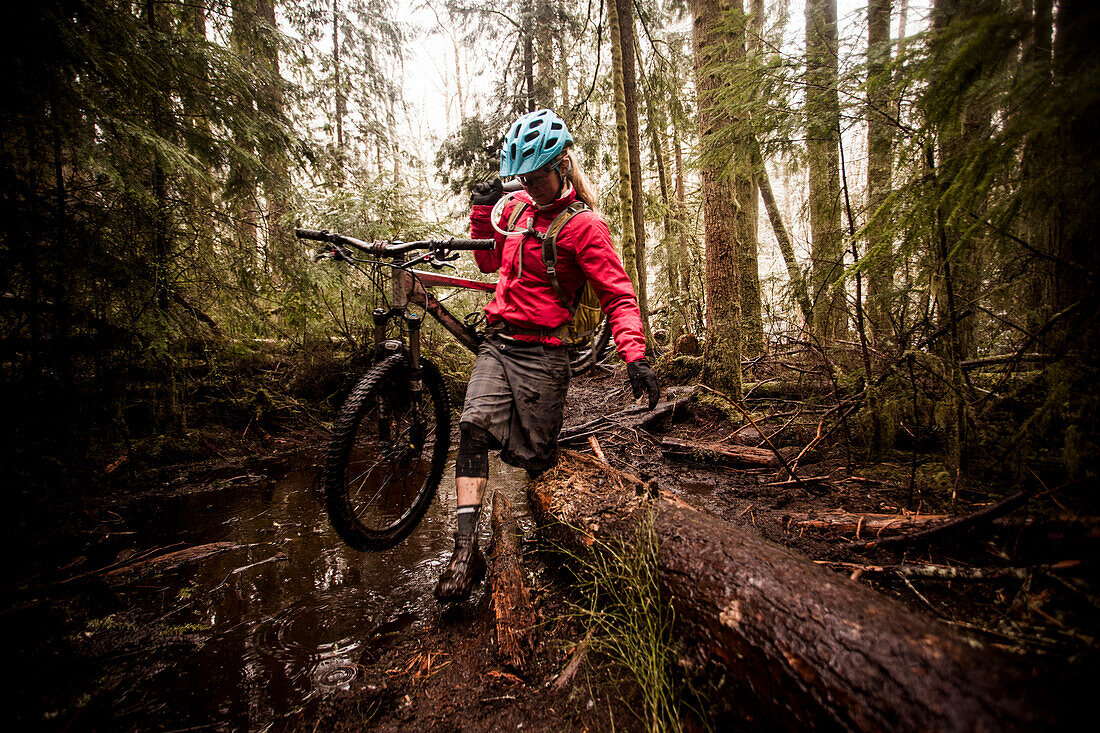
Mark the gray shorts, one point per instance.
(517, 394)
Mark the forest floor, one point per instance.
(444, 674)
(1049, 619)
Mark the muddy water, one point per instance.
(247, 639)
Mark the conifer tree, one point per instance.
(725, 189)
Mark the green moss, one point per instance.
(679, 369)
(708, 404)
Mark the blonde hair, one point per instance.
(586, 192)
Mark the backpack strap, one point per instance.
(550, 252)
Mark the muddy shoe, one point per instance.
(466, 568)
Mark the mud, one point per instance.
(290, 630)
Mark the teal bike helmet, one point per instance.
(533, 141)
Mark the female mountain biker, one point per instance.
(516, 394)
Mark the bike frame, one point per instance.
(405, 289)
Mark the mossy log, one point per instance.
(795, 645)
(513, 614)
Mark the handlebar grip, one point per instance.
(314, 234)
(467, 244)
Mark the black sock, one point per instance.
(467, 519)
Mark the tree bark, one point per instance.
(724, 216)
(752, 321)
(823, 160)
(794, 270)
(513, 614)
(797, 646)
(880, 139)
(628, 235)
(625, 13)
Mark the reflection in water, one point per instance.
(282, 632)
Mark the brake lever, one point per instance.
(440, 264)
(332, 252)
(440, 259)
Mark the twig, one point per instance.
(596, 448)
(574, 664)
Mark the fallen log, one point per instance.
(796, 646)
(718, 453)
(513, 614)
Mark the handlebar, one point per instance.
(396, 247)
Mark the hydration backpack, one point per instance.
(585, 307)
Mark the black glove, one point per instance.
(643, 379)
(487, 193)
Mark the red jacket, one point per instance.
(585, 252)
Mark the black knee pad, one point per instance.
(473, 452)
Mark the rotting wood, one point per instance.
(722, 454)
(956, 525)
(868, 523)
(573, 665)
(513, 613)
(596, 449)
(953, 572)
(169, 561)
(796, 645)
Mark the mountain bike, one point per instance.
(392, 436)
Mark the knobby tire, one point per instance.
(385, 458)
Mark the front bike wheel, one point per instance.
(592, 350)
(386, 457)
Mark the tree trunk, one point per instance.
(794, 270)
(796, 646)
(724, 214)
(626, 200)
(241, 181)
(683, 240)
(823, 161)
(880, 139)
(625, 13)
(280, 244)
(338, 91)
(751, 317)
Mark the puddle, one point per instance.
(247, 648)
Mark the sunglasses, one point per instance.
(535, 177)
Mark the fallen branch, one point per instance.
(170, 561)
(957, 525)
(638, 416)
(573, 666)
(951, 572)
(859, 523)
(726, 455)
(779, 456)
